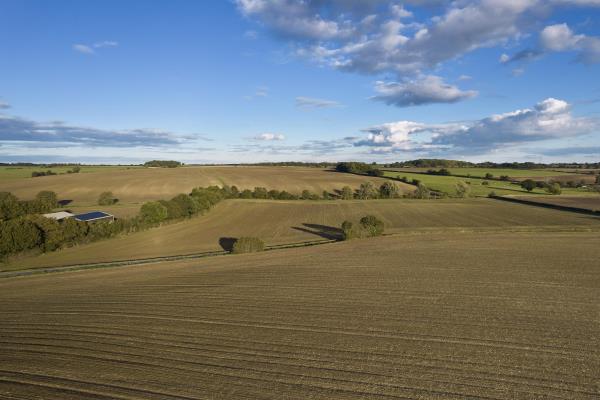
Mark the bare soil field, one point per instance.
(278, 222)
(448, 316)
(591, 202)
(145, 184)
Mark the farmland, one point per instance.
(8, 173)
(591, 203)
(450, 316)
(480, 172)
(279, 222)
(138, 185)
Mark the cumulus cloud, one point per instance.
(559, 37)
(15, 129)
(311, 102)
(547, 120)
(425, 90)
(269, 137)
(82, 48)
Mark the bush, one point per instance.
(489, 176)
(10, 207)
(366, 191)
(372, 225)
(248, 244)
(153, 212)
(528, 184)
(492, 194)
(554, 188)
(107, 199)
(347, 230)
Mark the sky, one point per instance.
(243, 81)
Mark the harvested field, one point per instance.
(278, 222)
(590, 202)
(476, 172)
(459, 316)
(144, 184)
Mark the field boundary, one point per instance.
(547, 205)
(149, 260)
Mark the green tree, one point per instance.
(463, 189)
(366, 191)
(528, 184)
(388, 190)
(47, 200)
(554, 188)
(260, 193)
(273, 194)
(52, 233)
(9, 206)
(246, 194)
(18, 234)
(107, 199)
(186, 204)
(153, 212)
(422, 192)
(489, 176)
(348, 230)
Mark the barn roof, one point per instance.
(92, 216)
(58, 215)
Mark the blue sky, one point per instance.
(274, 80)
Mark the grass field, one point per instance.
(586, 202)
(144, 184)
(450, 316)
(279, 222)
(497, 172)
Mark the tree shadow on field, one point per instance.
(227, 243)
(324, 231)
(65, 202)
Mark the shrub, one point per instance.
(347, 230)
(554, 188)
(485, 183)
(248, 244)
(489, 176)
(153, 212)
(528, 184)
(492, 194)
(107, 199)
(372, 225)
(10, 207)
(260, 193)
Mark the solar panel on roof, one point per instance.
(92, 215)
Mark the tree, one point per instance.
(274, 194)
(347, 193)
(366, 191)
(489, 176)
(246, 194)
(186, 204)
(260, 193)
(528, 184)
(463, 190)
(18, 234)
(107, 199)
(9, 206)
(372, 225)
(153, 212)
(248, 245)
(47, 200)
(422, 192)
(388, 190)
(51, 230)
(554, 188)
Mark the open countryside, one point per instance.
(300, 200)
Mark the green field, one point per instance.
(496, 172)
(500, 316)
(447, 184)
(280, 222)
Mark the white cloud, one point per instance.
(504, 58)
(251, 34)
(559, 37)
(424, 90)
(549, 119)
(4, 105)
(311, 102)
(82, 48)
(268, 137)
(106, 43)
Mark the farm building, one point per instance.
(94, 216)
(59, 216)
